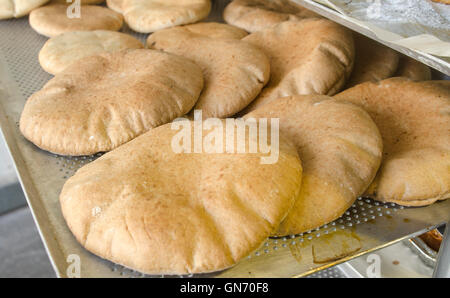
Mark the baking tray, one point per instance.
(441, 64)
(344, 270)
(366, 226)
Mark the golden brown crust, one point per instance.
(103, 101)
(373, 61)
(158, 212)
(311, 56)
(62, 50)
(234, 71)
(16, 9)
(432, 238)
(83, 2)
(115, 5)
(414, 121)
(442, 1)
(147, 16)
(216, 30)
(255, 15)
(52, 20)
(412, 69)
(340, 148)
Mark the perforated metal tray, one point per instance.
(366, 226)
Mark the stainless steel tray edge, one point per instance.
(37, 210)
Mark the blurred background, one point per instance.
(22, 253)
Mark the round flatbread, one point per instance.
(373, 61)
(340, 148)
(414, 121)
(115, 5)
(413, 69)
(53, 20)
(18, 8)
(234, 71)
(152, 15)
(159, 212)
(311, 56)
(216, 30)
(104, 101)
(255, 15)
(83, 2)
(62, 50)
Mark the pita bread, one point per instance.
(18, 8)
(104, 101)
(52, 20)
(83, 2)
(311, 56)
(256, 15)
(62, 50)
(150, 209)
(234, 71)
(413, 69)
(373, 61)
(216, 30)
(340, 148)
(152, 15)
(115, 5)
(414, 121)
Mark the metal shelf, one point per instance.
(367, 225)
(441, 64)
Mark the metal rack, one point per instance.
(441, 64)
(365, 227)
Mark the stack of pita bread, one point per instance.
(353, 118)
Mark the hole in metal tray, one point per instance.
(332, 272)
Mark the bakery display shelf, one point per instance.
(365, 227)
(441, 64)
